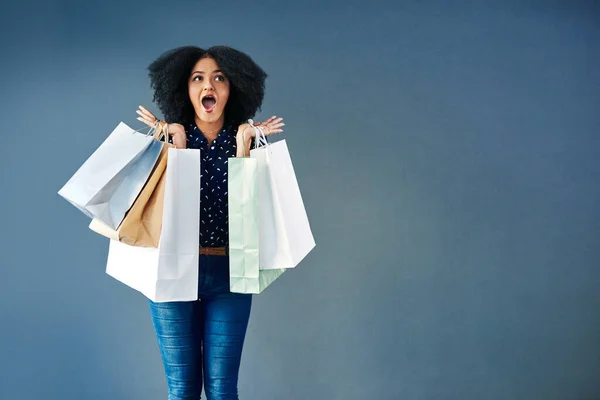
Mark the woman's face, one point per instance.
(208, 89)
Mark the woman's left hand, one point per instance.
(246, 134)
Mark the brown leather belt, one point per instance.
(214, 251)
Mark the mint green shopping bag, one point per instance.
(244, 273)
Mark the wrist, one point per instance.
(244, 133)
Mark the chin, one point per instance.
(209, 117)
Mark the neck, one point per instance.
(210, 130)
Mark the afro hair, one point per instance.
(170, 72)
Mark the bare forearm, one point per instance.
(243, 147)
(243, 140)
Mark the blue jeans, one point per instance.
(203, 338)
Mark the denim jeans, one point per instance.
(203, 338)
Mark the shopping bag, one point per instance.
(169, 272)
(142, 223)
(245, 275)
(285, 234)
(106, 185)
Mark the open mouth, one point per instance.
(209, 102)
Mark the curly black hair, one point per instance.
(170, 72)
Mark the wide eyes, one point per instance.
(200, 78)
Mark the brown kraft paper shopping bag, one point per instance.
(143, 222)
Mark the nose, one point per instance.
(208, 86)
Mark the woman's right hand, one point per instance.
(177, 131)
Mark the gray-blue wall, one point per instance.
(447, 154)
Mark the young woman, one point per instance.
(207, 97)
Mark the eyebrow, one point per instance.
(201, 72)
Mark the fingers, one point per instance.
(146, 117)
(145, 121)
(266, 131)
(179, 144)
(271, 120)
(267, 121)
(148, 121)
(271, 125)
(144, 111)
(276, 126)
(179, 138)
(176, 129)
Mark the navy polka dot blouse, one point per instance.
(213, 183)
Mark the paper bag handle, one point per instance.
(158, 131)
(163, 132)
(259, 135)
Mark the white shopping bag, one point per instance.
(285, 234)
(169, 272)
(107, 184)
